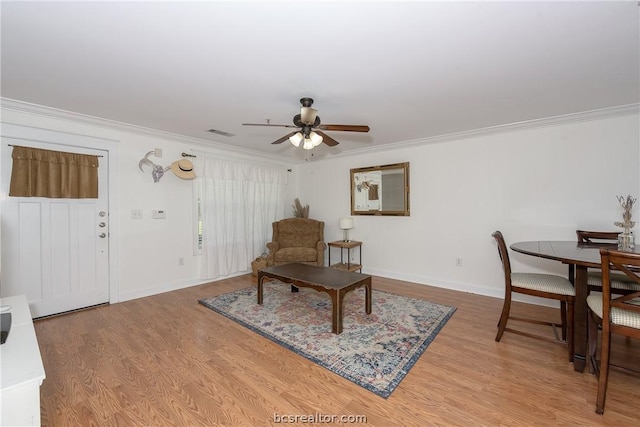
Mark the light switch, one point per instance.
(159, 214)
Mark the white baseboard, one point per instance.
(127, 296)
(420, 280)
(461, 287)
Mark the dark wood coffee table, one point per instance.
(334, 282)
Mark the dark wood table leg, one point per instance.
(572, 274)
(580, 319)
(261, 276)
(338, 297)
(367, 297)
(336, 306)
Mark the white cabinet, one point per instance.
(21, 368)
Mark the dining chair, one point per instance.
(620, 282)
(614, 314)
(585, 236)
(540, 285)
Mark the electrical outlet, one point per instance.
(458, 262)
(136, 213)
(180, 262)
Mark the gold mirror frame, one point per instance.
(380, 190)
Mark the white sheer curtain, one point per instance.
(238, 203)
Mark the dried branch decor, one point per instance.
(300, 211)
(627, 207)
(626, 240)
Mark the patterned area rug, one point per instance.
(375, 351)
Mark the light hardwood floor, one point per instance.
(166, 360)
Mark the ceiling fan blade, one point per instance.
(284, 138)
(327, 139)
(345, 128)
(268, 124)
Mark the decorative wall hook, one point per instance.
(156, 170)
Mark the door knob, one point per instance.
(102, 235)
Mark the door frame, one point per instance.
(109, 146)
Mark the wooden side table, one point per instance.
(348, 266)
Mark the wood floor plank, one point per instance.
(167, 360)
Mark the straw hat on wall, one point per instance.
(183, 169)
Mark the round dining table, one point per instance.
(579, 257)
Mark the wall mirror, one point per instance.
(380, 190)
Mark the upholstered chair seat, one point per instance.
(298, 254)
(549, 283)
(620, 317)
(618, 281)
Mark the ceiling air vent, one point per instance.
(220, 132)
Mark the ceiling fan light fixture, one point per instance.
(315, 138)
(307, 120)
(296, 139)
(308, 115)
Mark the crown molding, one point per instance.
(600, 114)
(55, 113)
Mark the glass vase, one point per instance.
(626, 241)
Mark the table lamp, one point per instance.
(346, 224)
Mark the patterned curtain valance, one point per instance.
(53, 174)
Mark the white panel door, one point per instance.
(55, 251)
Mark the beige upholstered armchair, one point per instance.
(297, 240)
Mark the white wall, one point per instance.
(148, 249)
(540, 183)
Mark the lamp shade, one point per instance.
(307, 144)
(346, 223)
(296, 139)
(315, 138)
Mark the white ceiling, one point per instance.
(409, 70)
